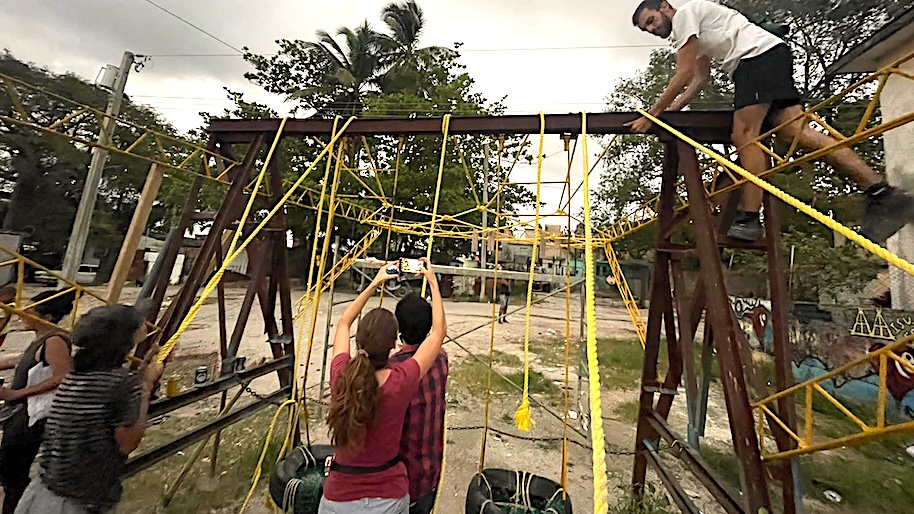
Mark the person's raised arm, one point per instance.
(686, 68)
(699, 79)
(344, 325)
(430, 348)
(134, 406)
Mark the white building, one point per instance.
(887, 46)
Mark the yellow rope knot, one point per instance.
(522, 416)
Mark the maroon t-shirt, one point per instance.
(382, 441)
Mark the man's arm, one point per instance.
(699, 79)
(686, 68)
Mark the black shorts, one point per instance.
(766, 78)
(18, 450)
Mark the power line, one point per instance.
(462, 50)
(194, 26)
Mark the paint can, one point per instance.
(171, 386)
(201, 376)
(238, 364)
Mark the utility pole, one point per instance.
(483, 241)
(77, 243)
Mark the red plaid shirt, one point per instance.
(422, 443)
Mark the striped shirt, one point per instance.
(80, 457)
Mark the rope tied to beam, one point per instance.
(522, 417)
(598, 443)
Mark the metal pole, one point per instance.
(77, 243)
(320, 397)
(483, 243)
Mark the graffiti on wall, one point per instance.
(754, 317)
(828, 337)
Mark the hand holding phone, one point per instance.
(411, 266)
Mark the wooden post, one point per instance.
(132, 239)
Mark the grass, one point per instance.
(628, 410)
(240, 449)
(620, 363)
(653, 501)
(873, 478)
(472, 376)
(552, 351)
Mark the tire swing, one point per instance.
(297, 482)
(503, 491)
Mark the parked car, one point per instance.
(84, 275)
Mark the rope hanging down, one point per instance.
(598, 443)
(522, 416)
(853, 236)
(445, 127)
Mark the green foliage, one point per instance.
(43, 174)
(373, 74)
(472, 377)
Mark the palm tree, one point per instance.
(353, 70)
(401, 47)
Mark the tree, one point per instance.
(43, 174)
(384, 75)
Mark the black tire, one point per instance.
(295, 461)
(500, 486)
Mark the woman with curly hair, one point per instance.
(97, 418)
(368, 405)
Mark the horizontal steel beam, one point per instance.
(704, 126)
(222, 383)
(477, 272)
(160, 453)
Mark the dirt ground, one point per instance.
(465, 414)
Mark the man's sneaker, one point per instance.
(747, 227)
(887, 210)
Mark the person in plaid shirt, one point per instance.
(422, 442)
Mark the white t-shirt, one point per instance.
(724, 34)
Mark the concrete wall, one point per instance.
(897, 100)
(827, 337)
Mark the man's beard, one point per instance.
(667, 28)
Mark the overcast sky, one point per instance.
(509, 49)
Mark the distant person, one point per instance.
(504, 296)
(368, 403)
(761, 66)
(7, 296)
(21, 436)
(422, 442)
(97, 418)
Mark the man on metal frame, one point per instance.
(761, 66)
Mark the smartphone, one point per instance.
(410, 266)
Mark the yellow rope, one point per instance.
(319, 286)
(214, 281)
(303, 302)
(522, 417)
(485, 424)
(445, 127)
(858, 239)
(600, 492)
(263, 454)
